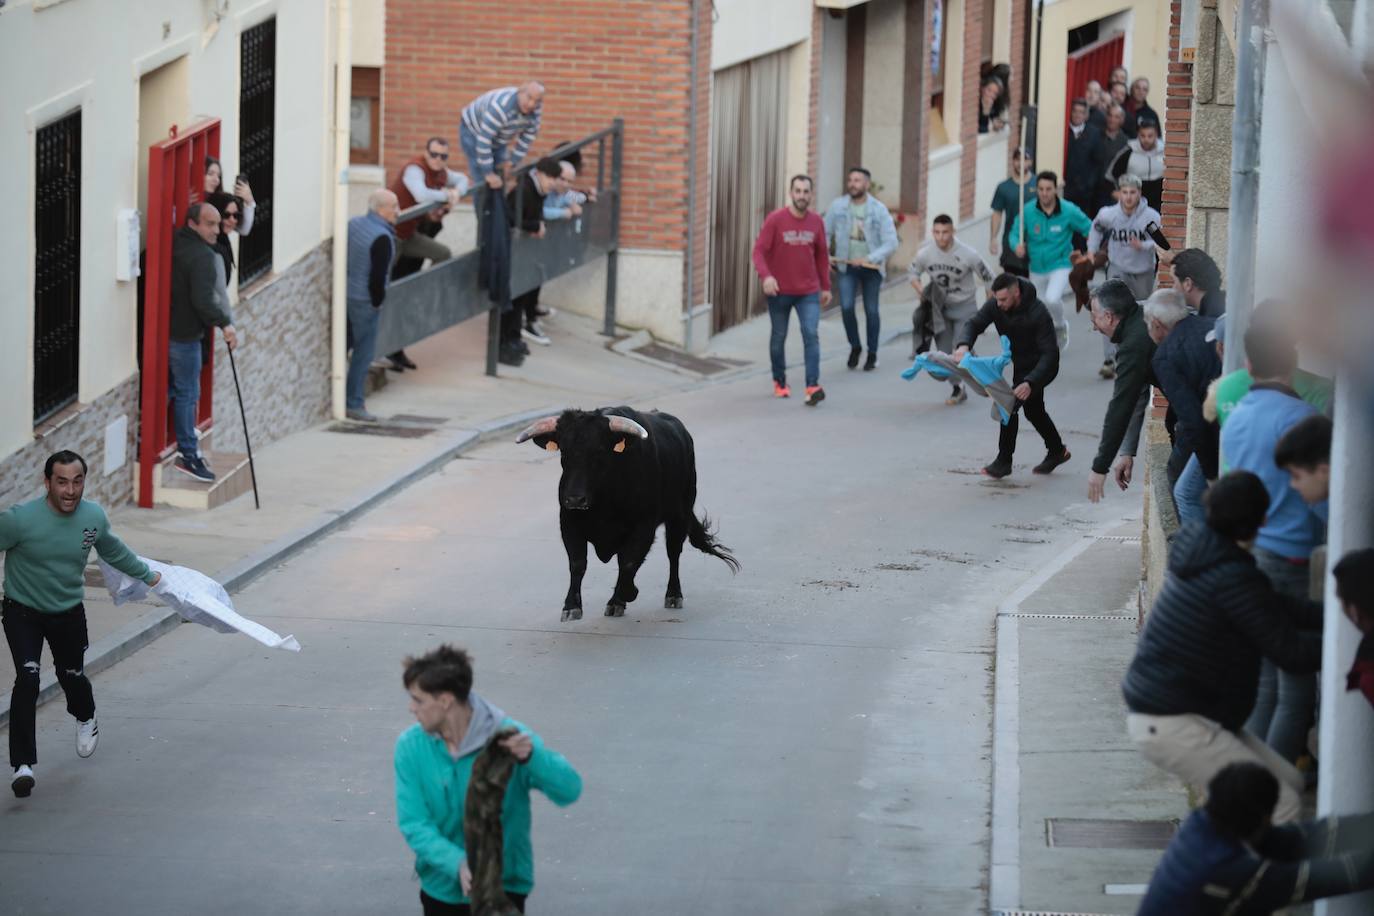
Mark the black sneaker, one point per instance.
(1051, 462)
(998, 469)
(854, 354)
(22, 783)
(400, 359)
(872, 362)
(195, 468)
(510, 356)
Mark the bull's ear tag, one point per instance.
(619, 446)
(551, 446)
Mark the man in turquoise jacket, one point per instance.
(1050, 226)
(46, 542)
(434, 761)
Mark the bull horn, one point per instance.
(542, 427)
(628, 426)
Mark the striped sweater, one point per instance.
(494, 118)
(1213, 621)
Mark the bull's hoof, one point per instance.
(673, 602)
(615, 609)
(572, 613)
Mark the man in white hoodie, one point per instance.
(1130, 250)
(1142, 157)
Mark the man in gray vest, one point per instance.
(371, 249)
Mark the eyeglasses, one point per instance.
(231, 215)
(433, 155)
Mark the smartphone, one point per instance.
(241, 177)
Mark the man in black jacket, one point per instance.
(1184, 366)
(1017, 313)
(1195, 674)
(1080, 165)
(200, 303)
(525, 206)
(1117, 317)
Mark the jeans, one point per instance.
(468, 141)
(1034, 409)
(1284, 703)
(808, 308)
(183, 363)
(854, 280)
(434, 907)
(362, 324)
(1051, 287)
(1192, 483)
(25, 630)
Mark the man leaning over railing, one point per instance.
(491, 122)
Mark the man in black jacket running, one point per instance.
(1019, 315)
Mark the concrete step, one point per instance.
(232, 479)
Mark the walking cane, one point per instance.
(252, 474)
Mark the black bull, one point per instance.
(624, 474)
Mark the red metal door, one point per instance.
(1091, 62)
(176, 179)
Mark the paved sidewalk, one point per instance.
(315, 480)
(1063, 643)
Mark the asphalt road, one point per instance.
(811, 736)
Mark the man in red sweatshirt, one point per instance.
(791, 257)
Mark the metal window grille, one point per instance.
(257, 112)
(57, 266)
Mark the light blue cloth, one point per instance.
(980, 372)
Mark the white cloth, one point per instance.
(196, 597)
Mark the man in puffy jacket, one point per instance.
(1022, 318)
(1229, 858)
(1193, 680)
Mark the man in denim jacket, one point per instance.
(862, 237)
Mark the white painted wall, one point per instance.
(992, 170)
(830, 153)
(369, 33)
(942, 185)
(745, 29)
(105, 48)
(884, 62)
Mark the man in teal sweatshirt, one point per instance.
(46, 542)
(1049, 229)
(434, 761)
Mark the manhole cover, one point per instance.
(390, 430)
(1088, 833)
(702, 365)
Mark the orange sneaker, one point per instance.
(814, 395)
(781, 391)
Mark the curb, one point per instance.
(138, 633)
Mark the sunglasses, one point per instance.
(433, 155)
(232, 214)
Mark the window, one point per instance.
(365, 117)
(257, 113)
(57, 266)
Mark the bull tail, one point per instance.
(701, 537)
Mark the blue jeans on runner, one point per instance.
(854, 280)
(362, 323)
(183, 365)
(809, 317)
(1284, 703)
(468, 141)
(1188, 490)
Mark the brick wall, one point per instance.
(83, 431)
(599, 59)
(1018, 89)
(1178, 130)
(284, 360)
(974, 11)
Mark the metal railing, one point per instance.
(447, 293)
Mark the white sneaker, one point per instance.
(532, 331)
(23, 782)
(87, 736)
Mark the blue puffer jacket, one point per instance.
(1184, 365)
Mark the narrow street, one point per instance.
(812, 736)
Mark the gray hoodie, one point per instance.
(1119, 229)
(486, 719)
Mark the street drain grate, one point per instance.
(1089, 833)
(1029, 616)
(1042, 913)
(702, 365)
(389, 430)
(1120, 538)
